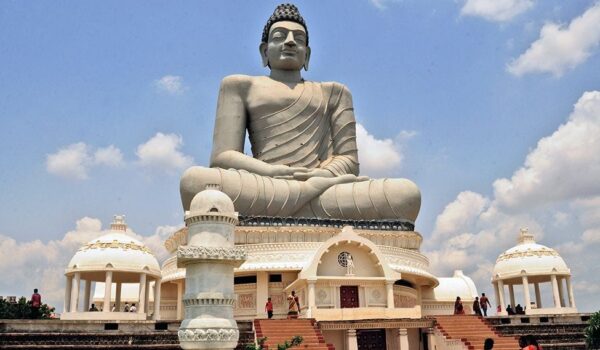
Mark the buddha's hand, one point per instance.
(280, 171)
(303, 176)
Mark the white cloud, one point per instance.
(563, 166)
(71, 162)
(171, 84)
(75, 161)
(560, 48)
(109, 156)
(162, 152)
(383, 4)
(460, 214)
(36, 264)
(495, 10)
(380, 157)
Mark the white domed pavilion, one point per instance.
(532, 263)
(114, 258)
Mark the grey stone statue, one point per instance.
(303, 137)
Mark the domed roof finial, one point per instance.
(118, 223)
(525, 236)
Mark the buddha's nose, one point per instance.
(289, 39)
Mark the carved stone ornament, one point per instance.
(208, 334)
(210, 253)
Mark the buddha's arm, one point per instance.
(230, 132)
(343, 127)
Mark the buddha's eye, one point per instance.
(278, 35)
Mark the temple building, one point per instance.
(531, 263)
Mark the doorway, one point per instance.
(348, 297)
(371, 339)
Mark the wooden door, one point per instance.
(371, 339)
(348, 296)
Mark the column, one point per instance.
(68, 294)
(147, 297)
(538, 295)
(107, 291)
(351, 341)
(74, 292)
(389, 288)
(497, 295)
(86, 295)
(555, 291)
(156, 314)
(511, 292)
(403, 338)
(570, 291)
(180, 300)
(118, 297)
(312, 303)
(561, 294)
(262, 292)
(526, 292)
(431, 336)
(501, 295)
(142, 296)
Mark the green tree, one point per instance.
(260, 342)
(592, 332)
(22, 309)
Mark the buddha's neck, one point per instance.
(286, 76)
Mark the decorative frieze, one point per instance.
(357, 324)
(208, 334)
(196, 253)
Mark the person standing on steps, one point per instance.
(293, 305)
(36, 303)
(269, 308)
(458, 307)
(476, 307)
(484, 302)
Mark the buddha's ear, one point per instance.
(307, 58)
(263, 54)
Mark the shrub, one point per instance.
(22, 309)
(592, 332)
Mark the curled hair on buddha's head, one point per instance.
(284, 12)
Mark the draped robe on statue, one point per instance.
(317, 130)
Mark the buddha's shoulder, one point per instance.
(332, 85)
(237, 80)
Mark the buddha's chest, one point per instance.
(268, 97)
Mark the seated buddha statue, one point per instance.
(304, 159)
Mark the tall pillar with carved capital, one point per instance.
(209, 259)
(118, 296)
(351, 340)
(75, 293)
(555, 292)
(147, 296)
(511, 293)
(262, 292)
(561, 294)
(179, 300)
(142, 294)
(312, 302)
(538, 296)
(68, 287)
(526, 293)
(389, 288)
(107, 291)
(403, 338)
(570, 291)
(86, 294)
(501, 295)
(156, 313)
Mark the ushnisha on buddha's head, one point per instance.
(284, 43)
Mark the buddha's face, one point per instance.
(286, 48)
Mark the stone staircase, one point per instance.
(278, 331)
(549, 336)
(472, 331)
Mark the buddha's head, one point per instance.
(284, 43)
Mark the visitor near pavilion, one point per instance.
(36, 303)
(293, 305)
(458, 307)
(269, 308)
(476, 307)
(484, 302)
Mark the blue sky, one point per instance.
(103, 104)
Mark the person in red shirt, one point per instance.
(36, 303)
(269, 308)
(484, 302)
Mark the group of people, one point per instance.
(526, 342)
(293, 306)
(127, 308)
(518, 310)
(480, 306)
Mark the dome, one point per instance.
(529, 258)
(212, 200)
(451, 287)
(116, 251)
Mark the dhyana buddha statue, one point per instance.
(303, 137)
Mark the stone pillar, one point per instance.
(118, 297)
(351, 340)
(561, 294)
(431, 336)
(511, 292)
(179, 300)
(107, 291)
(538, 295)
(570, 291)
(156, 314)
(496, 295)
(147, 297)
(555, 291)
(68, 287)
(389, 288)
(262, 292)
(86, 295)
(501, 295)
(74, 293)
(526, 293)
(312, 302)
(142, 295)
(403, 338)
